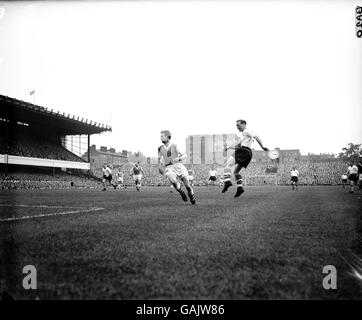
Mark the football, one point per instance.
(273, 154)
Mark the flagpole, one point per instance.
(32, 93)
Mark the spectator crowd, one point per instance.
(36, 147)
(45, 181)
(326, 172)
(311, 173)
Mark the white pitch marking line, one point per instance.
(36, 206)
(50, 214)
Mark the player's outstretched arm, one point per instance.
(260, 143)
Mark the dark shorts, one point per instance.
(294, 179)
(344, 180)
(243, 156)
(212, 178)
(109, 178)
(353, 177)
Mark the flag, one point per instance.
(32, 92)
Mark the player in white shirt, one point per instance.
(241, 157)
(212, 176)
(107, 176)
(294, 175)
(169, 159)
(344, 180)
(352, 174)
(315, 178)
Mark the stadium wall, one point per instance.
(52, 163)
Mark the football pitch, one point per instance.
(271, 243)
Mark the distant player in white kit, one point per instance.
(169, 159)
(344, 180)
(107, 176)
(352, 174)
(136, 172)
(294, 177)
(241, 157)
(212, 176)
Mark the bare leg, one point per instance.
(189, 189)
(173, 180)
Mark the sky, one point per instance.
(292, 70)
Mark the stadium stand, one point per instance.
(26, 145)
(33, 138)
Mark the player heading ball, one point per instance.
(169, 159)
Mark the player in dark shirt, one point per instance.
(136, 172)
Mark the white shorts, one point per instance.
(360, 177)
(176, 170)
(191, 178)
(120, 180)
(137, 177)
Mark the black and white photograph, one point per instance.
(181, 150)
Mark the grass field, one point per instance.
(271, 243)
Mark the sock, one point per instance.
(239, 181)
(178, 187)
(227, 174)
(181, 191)
(189, 190)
